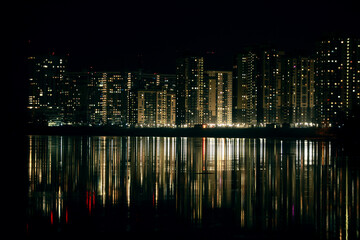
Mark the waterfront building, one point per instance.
(75, 98)
(337, 79)
(156, 108)
(218, 98)
(114, 94)
(46, 77)
(190, 91)
(246, 79)
(271, 86)
(302, 103)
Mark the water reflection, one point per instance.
(250, 184)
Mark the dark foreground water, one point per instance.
(163, 187)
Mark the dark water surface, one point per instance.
(190, 188)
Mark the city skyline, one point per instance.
(110, 35)
(266, 87)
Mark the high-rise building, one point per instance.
(114, 98)
(337, 83)
(190, 91)
(95, 98)
(246, 80)
(94, 117)
(302, 92)
(75, 98)
(156, 108)
(133, 85)
(157, 80)
(139, 82)
(170, 109)
(271, 87)
(218, 104)
(46, 77)
(257, 87)
(147, 108)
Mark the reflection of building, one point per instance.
(218, 95)
(266, 184)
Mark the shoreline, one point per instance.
(314, 133)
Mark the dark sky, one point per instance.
(111, 35)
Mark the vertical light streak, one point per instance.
(346, 200)
(203, 154)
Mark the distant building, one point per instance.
(246, 80)
(95, 98)
(114, 94)
(156, 108)
(190, 91)
(147, 108)
(75, 98)
(218, 95)
(46, 79)
(302, 100)
(338, 79)
(133, 85)
(257, 88)
(141, 82)
(271, 86)
(158, 80)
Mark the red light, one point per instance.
(53, 53)
(51, 217)
(90, 205)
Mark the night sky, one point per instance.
(117, 35)
(111, 35)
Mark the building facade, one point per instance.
(337, 72)
(190, 91)
(156, 108)
(246, 80)
(75, 98)
(46, 79)
(218, 98)
(303, 92)
(270, 88)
